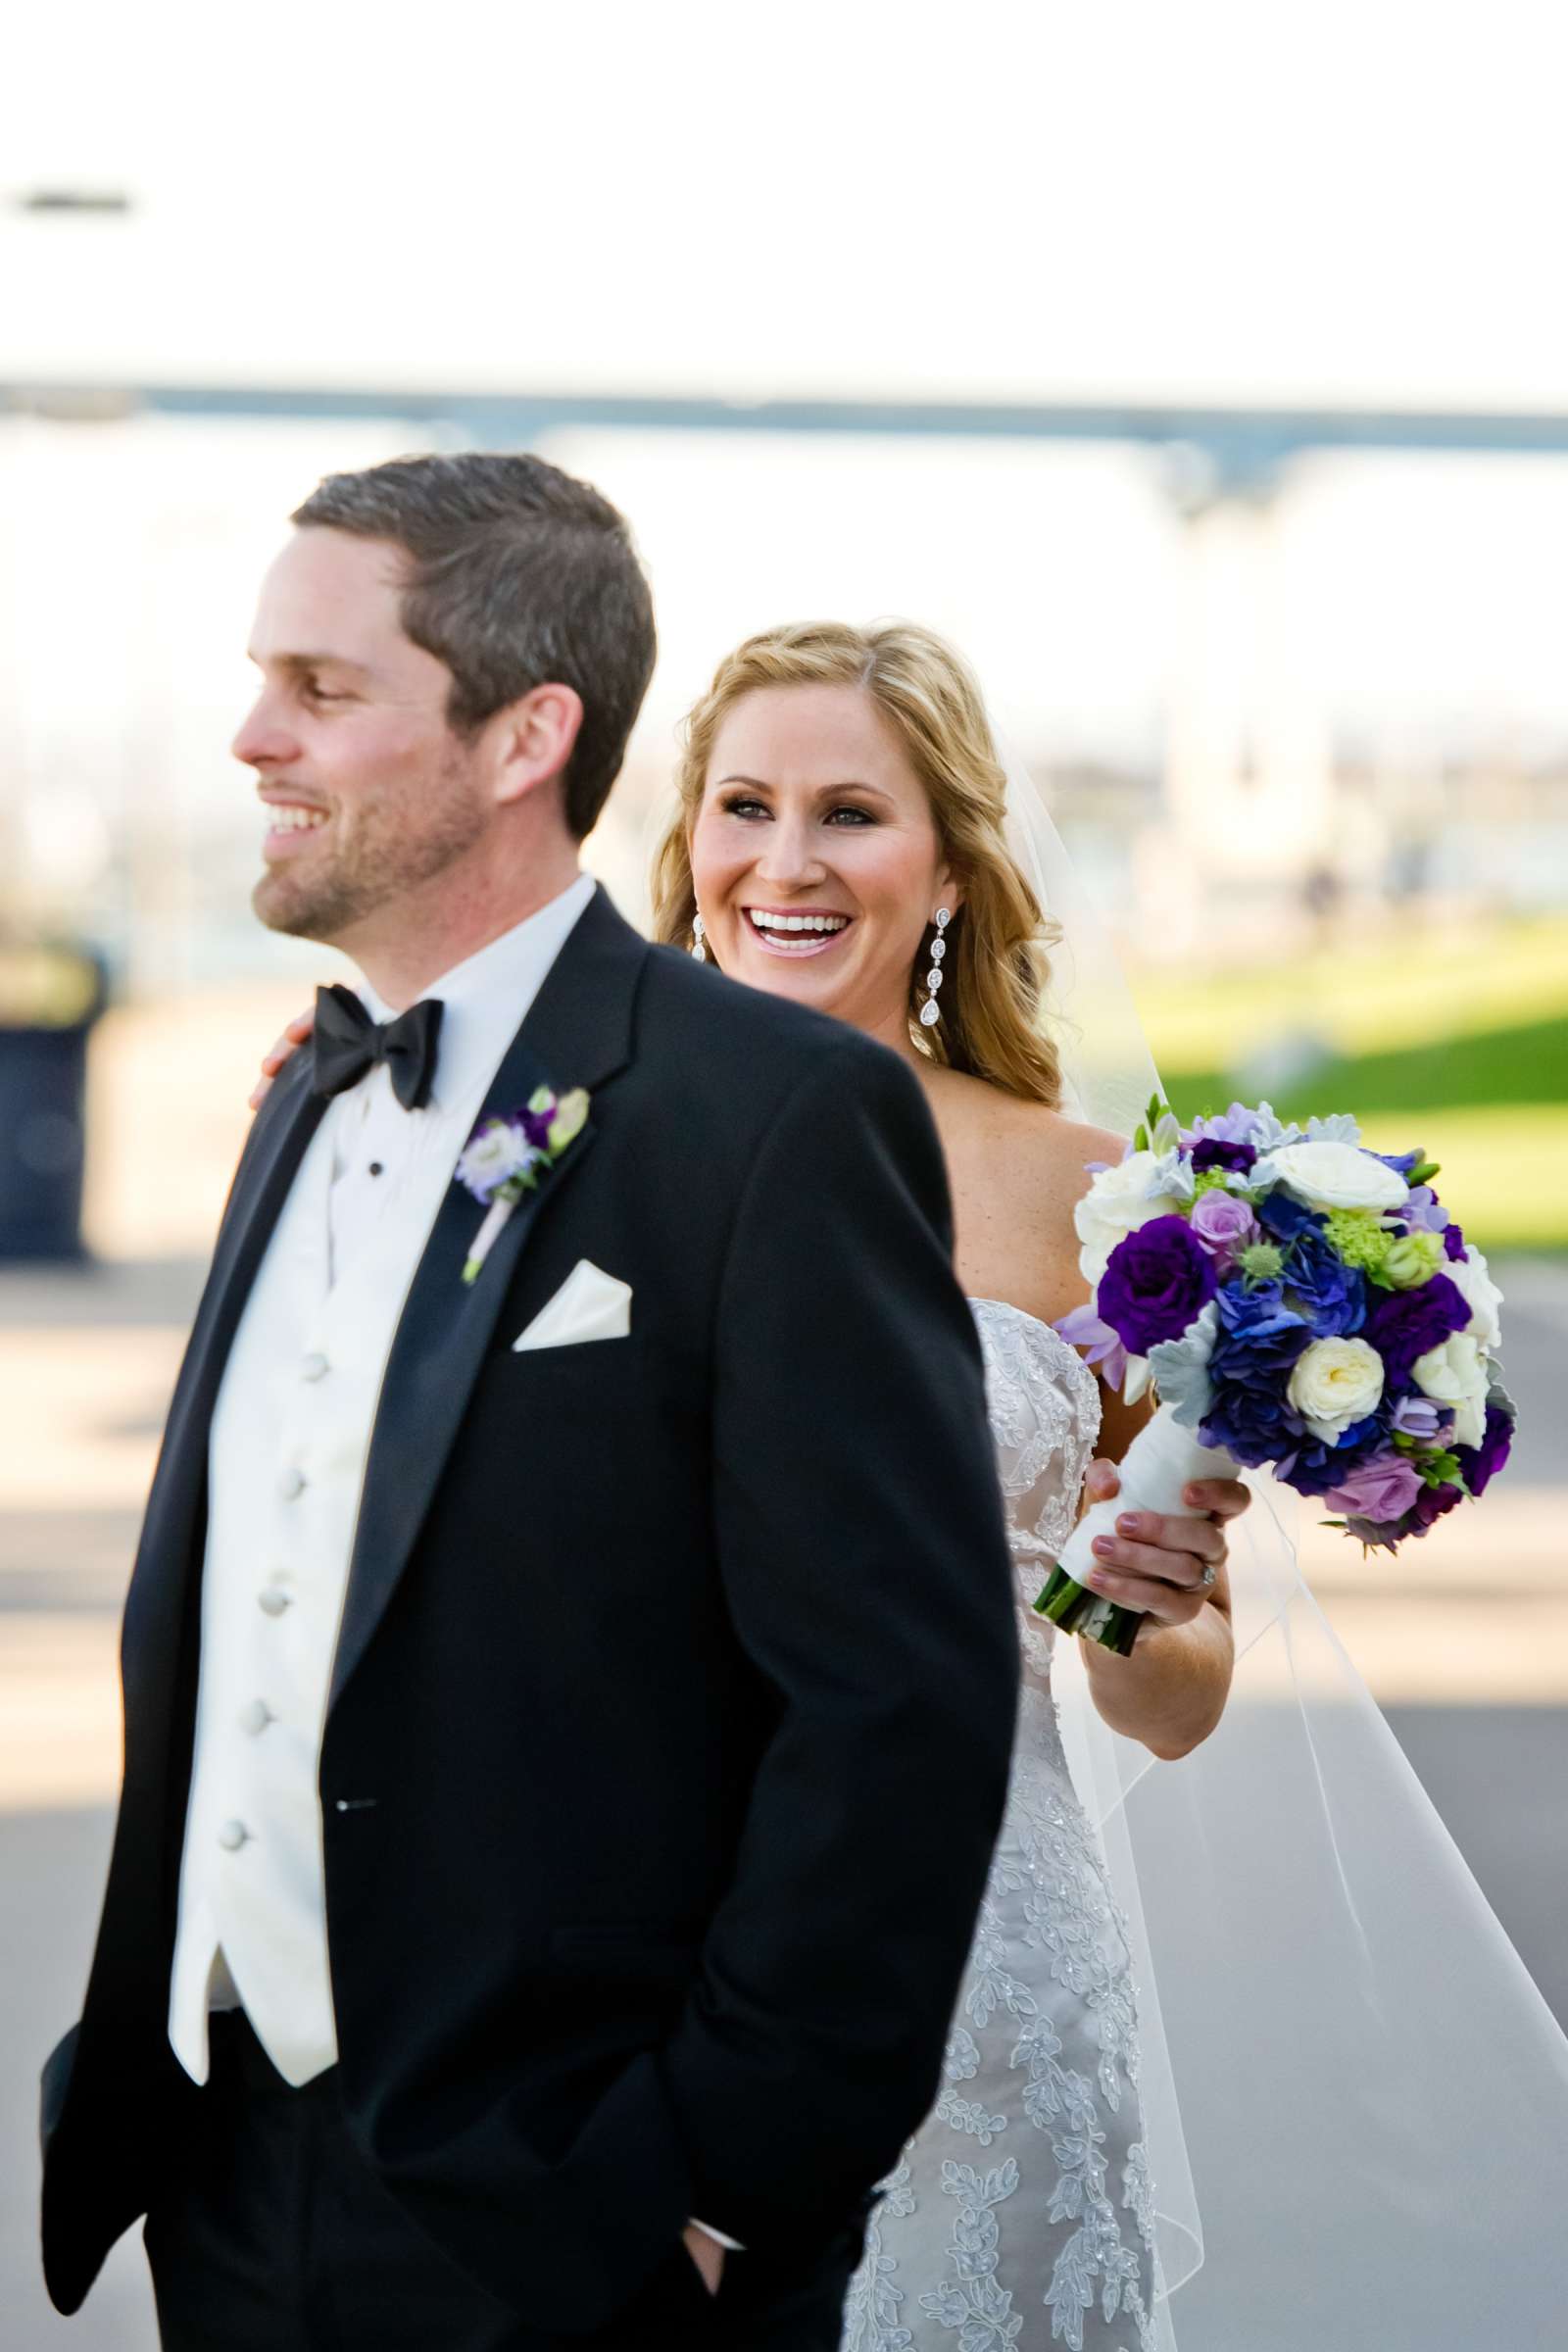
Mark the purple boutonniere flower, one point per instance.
(504, 1158)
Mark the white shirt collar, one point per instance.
(488, 994)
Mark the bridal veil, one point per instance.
(1356, 2098)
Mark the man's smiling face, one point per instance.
(370, 794)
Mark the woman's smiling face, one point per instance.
(814, 854)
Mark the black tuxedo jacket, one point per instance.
(674, 1702)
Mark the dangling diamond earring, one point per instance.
(931, 1011)
(699, 938)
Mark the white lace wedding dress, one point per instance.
(1023, 2214)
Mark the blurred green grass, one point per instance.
(1456, 1042)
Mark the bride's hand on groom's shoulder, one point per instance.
(297, 1034)
(1157, 1564)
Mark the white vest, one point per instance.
(286, 1454)
(290, 1434)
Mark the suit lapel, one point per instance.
(168, 1557)
(578, 1033)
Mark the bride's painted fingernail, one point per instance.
(1104, 1547)
(1128, 1523)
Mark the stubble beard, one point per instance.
(398, 844)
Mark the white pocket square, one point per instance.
(590, 1305)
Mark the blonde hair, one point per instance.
(996, 968)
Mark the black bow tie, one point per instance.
(348, 1043)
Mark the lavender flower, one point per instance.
(1424, 1212)
(1099, 1345)
(1238, 1125)
(1419, 1418)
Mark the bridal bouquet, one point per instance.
(1294, 1299)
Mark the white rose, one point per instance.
(1327, 1174)
(1481, 1295)
(1455, 1375)
(1117, 1204)
(1336, 1382)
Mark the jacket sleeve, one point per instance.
(861, 1540)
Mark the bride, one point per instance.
(840, 840)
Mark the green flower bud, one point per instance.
(1411, 1260)
(1261, 1261)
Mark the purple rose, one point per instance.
(1481, 1463)
(1216, 1152)
(1382, 1488)
(1223, 1223)
(1404, 1325)
(536, 1126)
(1156, 1284)
(1452, 1240)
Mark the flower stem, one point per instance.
(1076, 1610)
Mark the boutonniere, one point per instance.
(504, 1158)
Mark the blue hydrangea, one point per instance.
(1251, 1420)
(1329, 1292)
(1315, 1466)
(1280, 1213)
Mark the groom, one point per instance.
(567, 1712)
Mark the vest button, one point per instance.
(256, 1717)
(291, 1484)
(271, 1600)
(314, 1367)
(232, 1835)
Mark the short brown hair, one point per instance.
(521, 576)
(993, 1017)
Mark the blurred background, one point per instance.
(1203, 373)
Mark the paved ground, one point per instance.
(1465, 1641)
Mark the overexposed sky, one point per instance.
(1221, 201)
(1352, 200)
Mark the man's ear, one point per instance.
(533, 740)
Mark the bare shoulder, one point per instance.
(1017, 1170)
